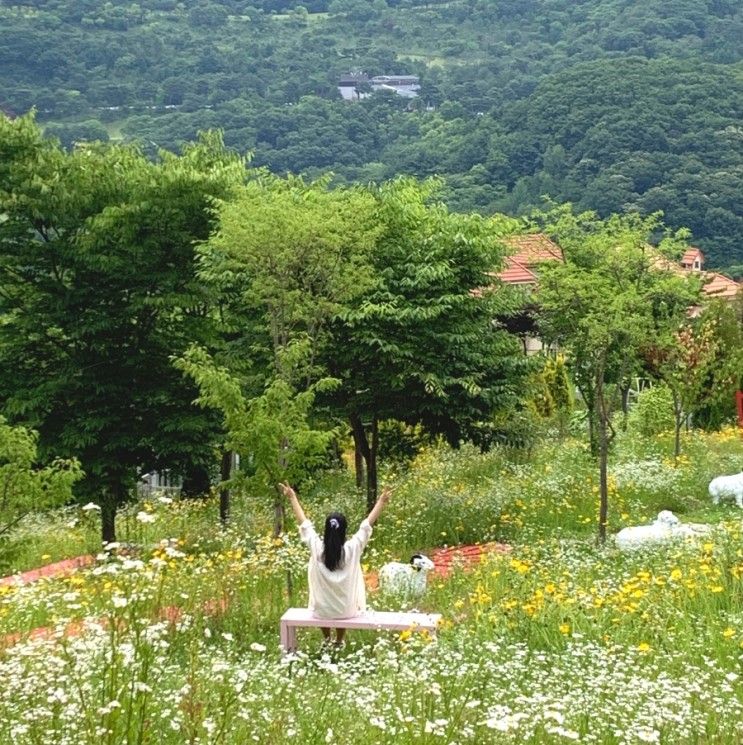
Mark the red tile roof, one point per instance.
(531, 248)
(718, 285)
(691, 254)
(516, 273)
(527, 251)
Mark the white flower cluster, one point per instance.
(651, 474)
(472, 691)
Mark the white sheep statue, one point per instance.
(406, 579)
(666, 527)
(727, 486)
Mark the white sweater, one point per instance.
(340, 593)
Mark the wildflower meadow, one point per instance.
(172, 636)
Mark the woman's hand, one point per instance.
(382, 500)
(384, 497)
(287, 491)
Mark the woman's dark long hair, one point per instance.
(334, 539)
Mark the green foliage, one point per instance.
(77, 133)
(99, 290)
(25, 486)
(287, 257)
(517, 431)
(551, 391)
(401, 442)
(652, 412)
(613, 292)
(701, 363)
(518, 99)
(419, 344)
(270, 431)
(541, 401)
(558, 382)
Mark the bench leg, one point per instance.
(288, 637)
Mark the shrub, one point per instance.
(653, 411)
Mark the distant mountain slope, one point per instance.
(613, 104)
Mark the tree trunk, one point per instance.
(368, 450)
(224, 492)
(278, 516)
(361, 446)
(603, 480)
(371, 466)
(593, 439)
(602, 421)
(358, 460)
(678, 420)
(588, 394)
(109, 505)
(625, 389)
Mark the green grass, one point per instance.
(555, 641)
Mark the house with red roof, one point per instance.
(693, 259)
(527, 252)
(531, 249)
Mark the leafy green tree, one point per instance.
(287, 257)
(701, 364)
(98, 291)
(419, 344)
(26, 487)
(273, 430)
(652, 412)
(209, 15)
(612, 293)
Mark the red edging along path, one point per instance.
(58, 569)
(444, 559)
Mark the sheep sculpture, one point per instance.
(727, 486)
(406, 579)
(666, 527)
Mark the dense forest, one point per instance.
(614, 105)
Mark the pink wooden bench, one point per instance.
(374, 620)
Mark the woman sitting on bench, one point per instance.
(334, 572)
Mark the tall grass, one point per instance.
(557, 640)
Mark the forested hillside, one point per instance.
(612, 104)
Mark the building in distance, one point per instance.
(354, 86)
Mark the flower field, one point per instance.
(175, 638)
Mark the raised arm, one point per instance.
(376, 511)
(291, 495)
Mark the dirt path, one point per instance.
(58, 569)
